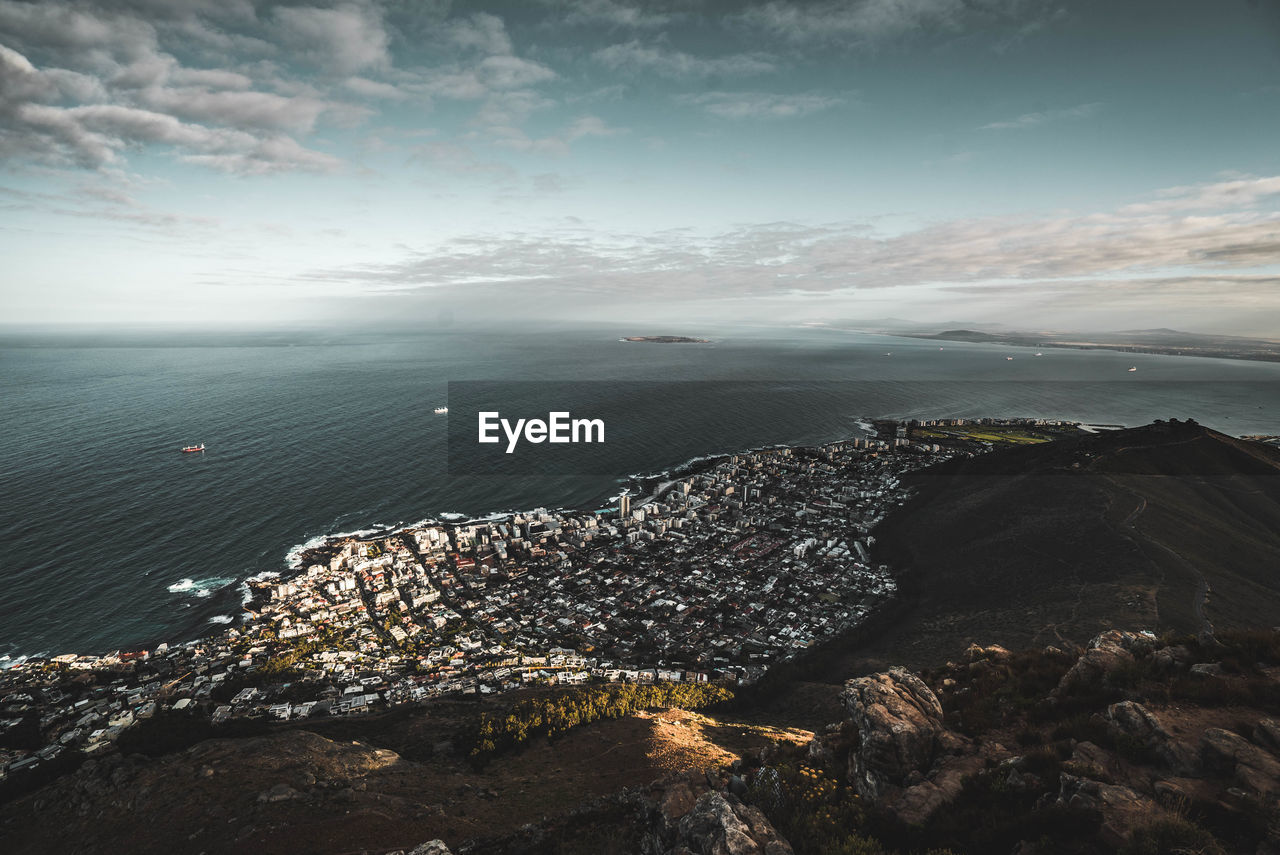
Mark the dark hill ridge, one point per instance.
(1171, 526)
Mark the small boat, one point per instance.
(440, 410)
(1133, 368)
(1009, 359)
(1039, 354)
(187, 449)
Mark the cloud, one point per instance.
(1245, 192)
(868, 23)
(1031, 120)
(105, 200)
(239, 109)
(341, 40)
(759, 105)
(366, 88)
(557, 144)
(456, 158)
(482, 32)
(609, 13)
(266, 156)
(1186, 255)
(636, 57)
(862, 20)
(275, 72)
(94, 135)
(511, 72)
(106, 86)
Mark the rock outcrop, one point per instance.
(431, 847)
(1255, 770)
(682, 817)
(898, 720)
(1107, 652)
(906, 758)
(720, 824)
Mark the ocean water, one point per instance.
(110, 537)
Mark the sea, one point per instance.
(111, 538)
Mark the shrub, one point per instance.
(1171, 837)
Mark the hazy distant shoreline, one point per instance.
(1158, 342)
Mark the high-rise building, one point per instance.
(624, 506)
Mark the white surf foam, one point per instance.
(201, 587)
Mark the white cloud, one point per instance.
(862, 20)
(1244, 192)
(1187, 258)
(636, 57)
(1031, 120)
(482, 32)
(759, 105)
(239, 109)
(342, 40)
(559, 143)
(511, 72)
(868, 23)
(34, 126)
(366, 88)
(610, 13)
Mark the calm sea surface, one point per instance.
(110, 537)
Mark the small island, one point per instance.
(668, 339)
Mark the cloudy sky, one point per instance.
(1068, 164)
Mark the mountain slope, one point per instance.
(1171, 526)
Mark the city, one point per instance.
(714, 577)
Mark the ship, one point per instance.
(1133, 368)
(187, 449)
(440, 410)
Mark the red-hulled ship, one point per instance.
(190, 448)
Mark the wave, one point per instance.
(221, 619)
(293, 558)
(200, 587)
(7, 662)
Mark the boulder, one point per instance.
(917, 803)
(279, 793)
(1106, 653)
(432, 847)
(1170, 659)
(720, 824)
(898, 719)
(1136, 720)
(1254, 769)
(1267, 734)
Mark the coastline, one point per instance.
(296, 557)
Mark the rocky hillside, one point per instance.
(1132, 744)
(1167, 527)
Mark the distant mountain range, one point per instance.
(1160, 341)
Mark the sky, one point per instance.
(1090, 165)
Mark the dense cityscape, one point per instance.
(713, 577)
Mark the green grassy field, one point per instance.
(1011, 435)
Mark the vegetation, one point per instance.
(553, 715)
(1170, 837)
